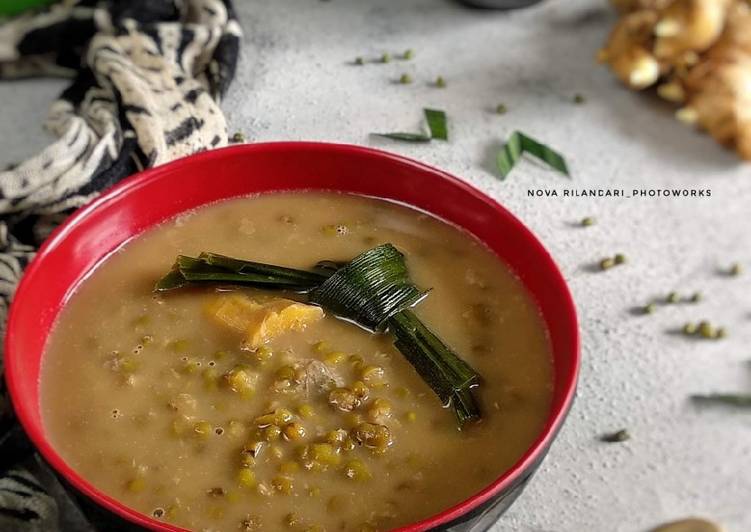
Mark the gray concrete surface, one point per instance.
(295, 83)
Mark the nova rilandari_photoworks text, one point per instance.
(620, 193)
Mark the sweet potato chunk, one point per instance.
(261, 322)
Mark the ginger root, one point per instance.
(688, 26)
(629, 53)
(697, 53)
(627, 6)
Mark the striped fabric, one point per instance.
(147, 77)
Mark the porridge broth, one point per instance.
(138, 396)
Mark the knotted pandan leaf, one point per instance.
(450, 377)
(214, 268)
(373, 290)
(369, 289)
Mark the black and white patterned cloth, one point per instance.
(147, 77)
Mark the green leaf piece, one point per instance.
(450, 377)
(405, 137)
(729, 399)
(509, 155)
(554, 159)
(437, 124)
(174, 279)
(519, 143)
(213, 268)
(256, 268)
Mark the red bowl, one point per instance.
(148, 198)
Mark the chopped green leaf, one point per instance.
(730, 399)
(543, 152)
(519, 143)
(509, 154)
(436, 120)
(437, 123)
(406, 137)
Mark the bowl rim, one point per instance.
(535, 451)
